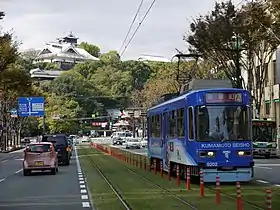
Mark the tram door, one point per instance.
(164, 134)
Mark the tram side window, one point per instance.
(157, 125)
(172, 121)
(190, 123)
(181, 122)
(152, 126)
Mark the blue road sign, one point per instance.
(31, 107)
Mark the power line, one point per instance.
(139, 25)
(133, 21)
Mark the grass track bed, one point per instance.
(141, 194)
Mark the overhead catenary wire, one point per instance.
(139, 25)
(131, 25)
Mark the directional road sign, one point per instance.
(31, 107)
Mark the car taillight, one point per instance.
(67, 149)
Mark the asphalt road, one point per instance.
(40, 191)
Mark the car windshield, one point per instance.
(120, 134)
(39, 148)
(57, 140)
(222, 123)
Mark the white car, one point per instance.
(132, 143)
(144, 142)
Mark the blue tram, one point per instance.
(204, 129)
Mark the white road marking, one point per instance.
(3, 161)
(262, 181)
(19, 159)
(84, 194)
(2, 180)
(85, 204)
(263, 167)
(83, 191)
(267, 164)
(84, 197)
(18, 171)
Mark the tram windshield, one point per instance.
(222, 123)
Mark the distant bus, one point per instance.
(204, 129)
(264, 138)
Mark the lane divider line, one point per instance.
(2, 180)
(18, 171)
(86, 202)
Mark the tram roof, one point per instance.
(194, 92)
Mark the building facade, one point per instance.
(65, 52)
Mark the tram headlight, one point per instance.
(241, 153)
(244, 153)
(210, 154)
(207, 154)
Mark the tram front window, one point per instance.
(222, 123)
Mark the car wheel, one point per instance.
(26, 172)
(53, 171)
(56, 169)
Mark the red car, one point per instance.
(40, 156)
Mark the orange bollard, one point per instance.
(218, 190)
(155, 166)
(268, 199)
(178, 175)
(169, 173)
(239, 197)
(201, 173)
(188, 178)
(161, 168)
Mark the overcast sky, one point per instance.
(104, 23)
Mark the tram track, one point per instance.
(118, 193)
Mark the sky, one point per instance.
(105, 23)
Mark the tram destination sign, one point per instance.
(223, 97)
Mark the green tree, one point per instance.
(212, 35)
(260, 44)
(67, 109)
(73, 85)
(139, 71)
(91, 49)
(112, 57)
(88, 68)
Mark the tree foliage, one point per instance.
(91, 49)
(237, 40)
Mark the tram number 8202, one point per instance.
(212, 164)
